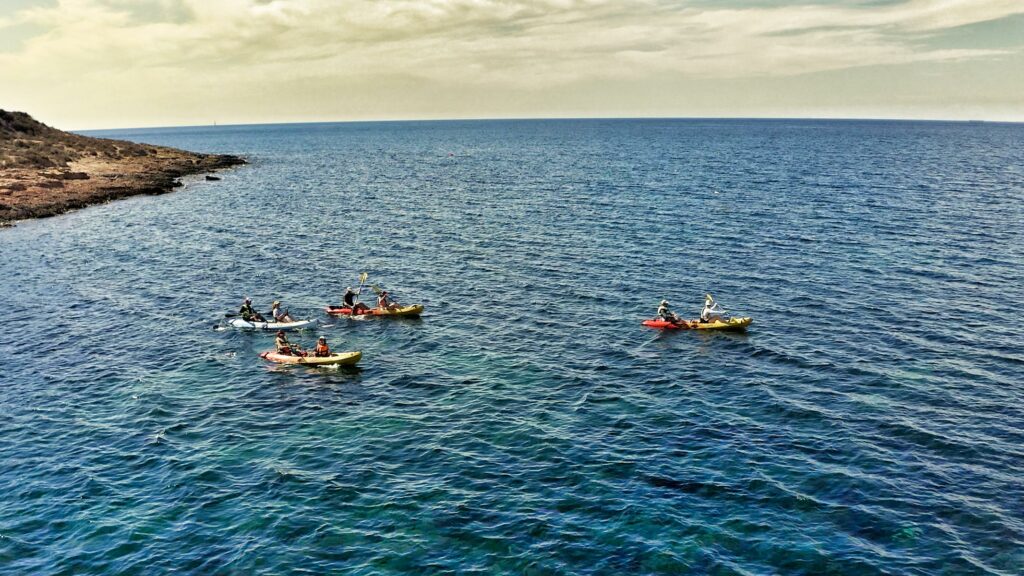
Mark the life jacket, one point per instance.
(322, 350)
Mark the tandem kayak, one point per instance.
(246, 325)
(336, 359)
(727, 324)
(411, 310)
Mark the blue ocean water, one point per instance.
(870, 422)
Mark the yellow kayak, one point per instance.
(726, 324)
(411, 310)
(338, 358)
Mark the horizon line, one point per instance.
(562, 118)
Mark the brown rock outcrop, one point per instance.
(45, 171)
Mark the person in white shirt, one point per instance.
(385, 302)
(279, 316)
(711, 310)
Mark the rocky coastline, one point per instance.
(45, 172)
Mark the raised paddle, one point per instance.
(362, 280)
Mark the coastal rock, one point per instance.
(45, 171)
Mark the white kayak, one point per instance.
(246, 325)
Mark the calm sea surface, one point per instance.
(871, 421)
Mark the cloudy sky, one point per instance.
(80, 64)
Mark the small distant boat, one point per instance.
(738, 324)
(411, 310)
(336, 359)
(247, 325)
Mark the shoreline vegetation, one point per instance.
(45, 172)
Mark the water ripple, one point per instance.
(870, 422)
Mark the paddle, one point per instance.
(362, 280)
(234, 315)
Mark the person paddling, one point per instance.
(248, 313)
(279, 316)
(321, 350)
(666, 314)
(285, 347)
(710, 311)
(384, 301)
(351, 303)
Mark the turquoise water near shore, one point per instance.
(870, 422)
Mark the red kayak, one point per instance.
(413, 310)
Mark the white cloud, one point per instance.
(531, 45)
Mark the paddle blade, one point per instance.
(376, 289)
(363, 277)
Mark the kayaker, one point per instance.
(667, 315)
(284, 346)
(321, 350)
(275, 311)
(385, 302)
(350, 302)
(708, 313)
(248, 313)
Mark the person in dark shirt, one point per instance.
(248, 313)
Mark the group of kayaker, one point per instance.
(711, 317)
(710, 313)
(321, 350)
(279, 320)
(384, 302)
(249, 314)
